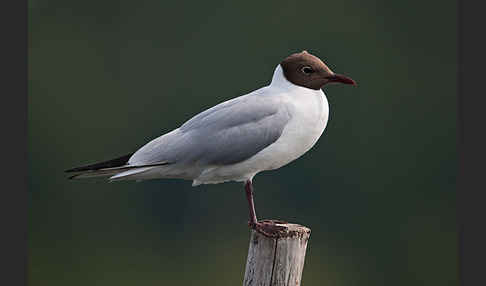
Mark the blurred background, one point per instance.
(377, 190)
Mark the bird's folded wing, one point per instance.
(228, 133)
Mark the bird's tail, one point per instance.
(116, 169)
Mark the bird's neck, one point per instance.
(281, 82)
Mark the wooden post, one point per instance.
(276, 258)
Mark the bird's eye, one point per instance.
(307, 70)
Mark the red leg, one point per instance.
(251, 206)
(267, 228)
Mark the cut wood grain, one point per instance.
(276, 258)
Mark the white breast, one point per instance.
(310, 112)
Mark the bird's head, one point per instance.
(307, 70)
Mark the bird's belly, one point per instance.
(308, 123)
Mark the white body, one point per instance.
(308, 111)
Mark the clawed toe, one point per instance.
(268, 229)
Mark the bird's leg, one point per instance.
(267, 228)
(251, 206)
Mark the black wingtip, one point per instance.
(71, 170)
(117, 162)
(72, 177)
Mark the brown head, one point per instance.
(304, 69)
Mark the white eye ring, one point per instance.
(307, 70)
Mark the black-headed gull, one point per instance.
(234, 140)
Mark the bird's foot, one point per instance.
(268, 228)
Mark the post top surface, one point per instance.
(283, 229)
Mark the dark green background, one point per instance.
(378, 189)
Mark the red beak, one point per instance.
(341, 78)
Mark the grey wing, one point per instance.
(228, 133)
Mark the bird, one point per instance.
(238, 138)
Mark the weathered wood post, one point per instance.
(276, 259)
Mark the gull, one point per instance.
(239, 138)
